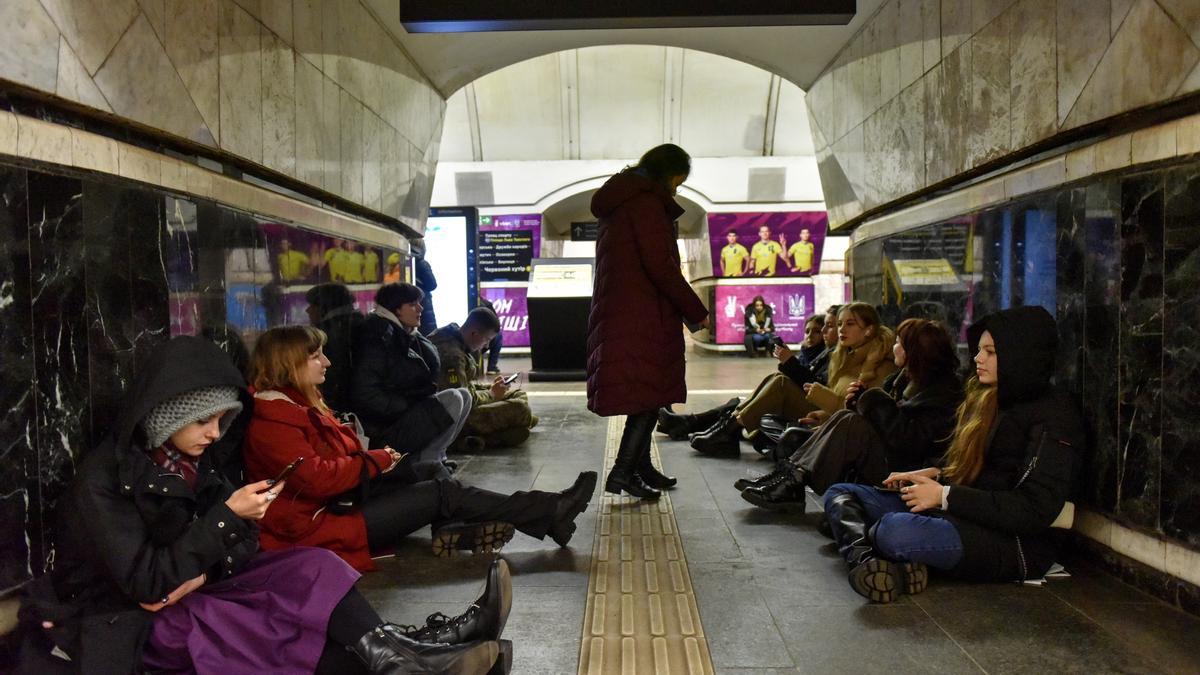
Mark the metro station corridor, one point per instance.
(413, 200)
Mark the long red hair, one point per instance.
(279, 358)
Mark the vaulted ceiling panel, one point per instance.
(520, 111)
(724, 106)
(621, 101)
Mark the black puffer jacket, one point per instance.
(915, 430)
(392, 391)
(1037, 444)
(129, 532)
(341, 328)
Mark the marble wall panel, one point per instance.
(182, 252)
(57, 259)
(310, 143)
(1079, 49)
(241, 91)
(888, 20)
(276, 15)
(909, 41)
(29, 52)
(988, 133)
(74, 83)
(18, 433)
(156, 13)
(956, 24)
(331, 129)
(373, 144)
(1148, 60)
(1102, 298)
(1031, 72)
(947, 113)
(1140, 365)
(107, 216)
(1186, 14)
(192, 45)
(352, 114)
(93, 27)
(931, 33)
(307, 27)
(1180, 511)
(984, 11)
(278, 104)
(140, 83)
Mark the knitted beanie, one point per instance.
(193, 405)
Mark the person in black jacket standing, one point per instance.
(158, 567)
(900, 426)
(394, 387)
(1006, 477)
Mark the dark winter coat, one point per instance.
(341, 328)
(395, 378)
(817, 370)
(914, 429)
(1036, 447)
(639, 302)
(284, 428)
(807, 356)
(129, 532)
(427, 283)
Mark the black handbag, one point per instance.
(352, 500)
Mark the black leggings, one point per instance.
(395, 510)
(351, 618)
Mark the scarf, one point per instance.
(170, 459)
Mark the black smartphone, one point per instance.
(511, 378)
(287, 471)
(778, 342)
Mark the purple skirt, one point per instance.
(269, 618)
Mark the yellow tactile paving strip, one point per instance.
(641, 614)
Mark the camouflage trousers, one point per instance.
(501, 423)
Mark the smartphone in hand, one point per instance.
(287, 471)
(511, 378)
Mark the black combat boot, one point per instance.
(388, 652)
(483, 620)
(624, 475)
(723, 439)
(785, 495)
(571, 503)
(678, 427)
(781, 470)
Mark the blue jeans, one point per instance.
(755, 341)
(896, 533)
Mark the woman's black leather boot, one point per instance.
(652, 476)
(483, 620)
(624, 474)
(388, 652)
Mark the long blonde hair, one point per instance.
(976, 416)
(279, 357)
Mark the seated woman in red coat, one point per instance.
(342, 497)
(158, 569)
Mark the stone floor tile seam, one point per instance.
(1132, 645)
(917, 602)
(641, 613)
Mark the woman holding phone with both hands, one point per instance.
(1007, 474)
(157, 562)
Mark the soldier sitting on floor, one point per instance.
(500, 416)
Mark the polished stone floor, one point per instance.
(772, 594)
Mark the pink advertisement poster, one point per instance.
(791, 305)
(513, 310)
(776, 244)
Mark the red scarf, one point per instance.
(174, 461)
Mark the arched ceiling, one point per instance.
(615, 102)
(451, 60)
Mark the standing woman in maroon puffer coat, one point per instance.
(639, 303)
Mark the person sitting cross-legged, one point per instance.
(500, 416)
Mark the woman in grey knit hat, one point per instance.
(158, 566)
